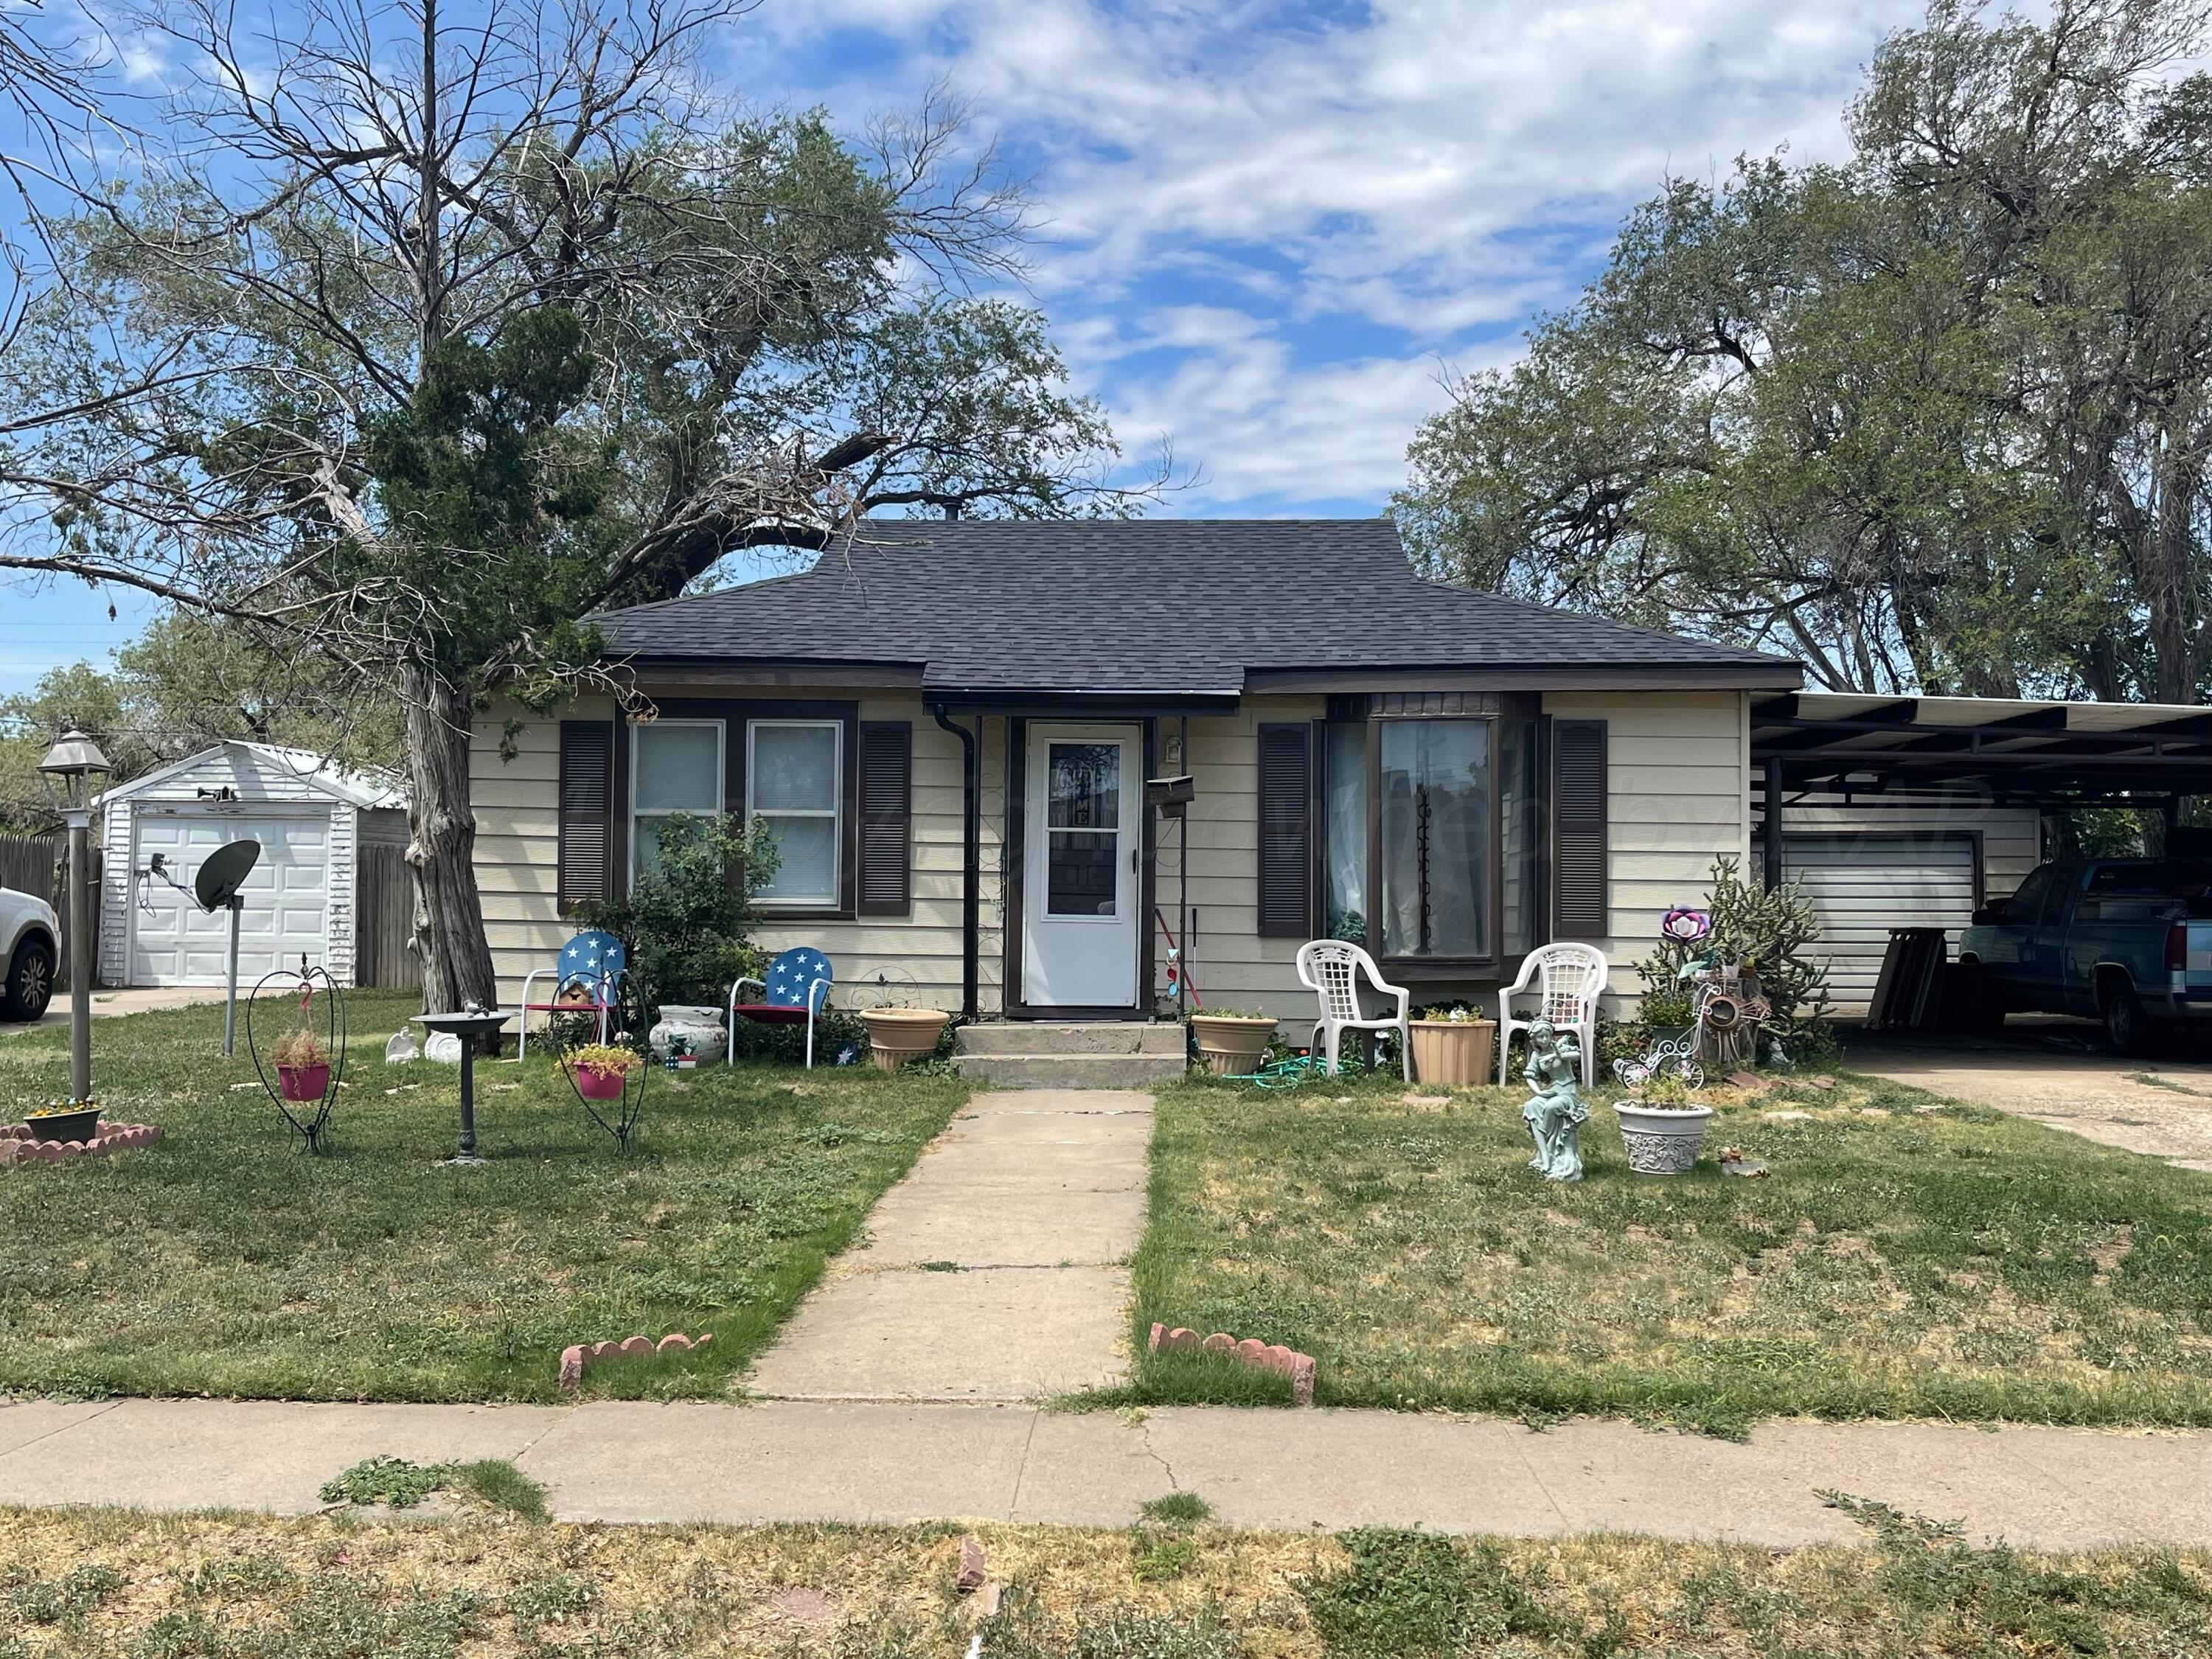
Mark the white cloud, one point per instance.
(1432, 169)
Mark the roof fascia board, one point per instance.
(706, 671)
(1562, 677)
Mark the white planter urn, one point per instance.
(1661, 1140)
(702, 1025)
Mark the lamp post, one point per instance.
(68, 771)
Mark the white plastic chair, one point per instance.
(1331, 967)
(1567, 981)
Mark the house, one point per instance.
(949, 727)
(320, 828)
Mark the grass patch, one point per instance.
(1187, 1507)
(1905, 1258)
(225, 1263)
(391, 1481)
(395, 1483)
(498, 1484)
(112, 1583)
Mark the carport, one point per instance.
(1912, 812)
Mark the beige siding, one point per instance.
(1677, 783)
(1679, 769)
(1233, 967)
(914, 957)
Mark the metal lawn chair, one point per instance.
(591, 962)
(1567, 981)
(795, 992)
(1331, 967)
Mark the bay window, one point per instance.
(1432, 813)
(794, 784)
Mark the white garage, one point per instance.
(1863, 885)
(302, 899)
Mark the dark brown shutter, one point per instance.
(584, 862)
(1287, 830)
(1578, 831)
(886, 818)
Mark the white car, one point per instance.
(33, 936)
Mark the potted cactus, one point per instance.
(600, 1069)
(1452, 1044)
(303, 1066)
(1663, 1128)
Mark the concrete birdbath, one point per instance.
(469, 1024)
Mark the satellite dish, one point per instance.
(223, 871)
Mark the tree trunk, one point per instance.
(449, 929)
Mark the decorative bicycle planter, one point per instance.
(309, 1062)
(610, 1078)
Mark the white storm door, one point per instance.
(1084, 808)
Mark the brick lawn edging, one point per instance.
(579, 1357)
(1287, 1362)
(19, 1146)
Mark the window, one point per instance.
(795, 782)
(1435, 826)
(1083, 822)
(676, 766)
(1345, 830)
(1436, 833)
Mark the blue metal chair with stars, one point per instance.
(584, 976)
(795, 992)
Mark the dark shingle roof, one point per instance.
(1143, 605)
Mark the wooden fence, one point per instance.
(384, 901)
(34, 864)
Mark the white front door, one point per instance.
(1080, 929)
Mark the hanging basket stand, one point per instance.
(304, 1094)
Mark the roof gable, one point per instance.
(298, 772)
(1149, 606)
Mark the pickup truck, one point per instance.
(2128, 941)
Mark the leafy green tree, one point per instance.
(426, 336)
(1938, 418)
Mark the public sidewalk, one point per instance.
(624, 1461)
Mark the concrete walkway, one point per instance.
(994, 1271)
(616, 1460)
(2160, 1106)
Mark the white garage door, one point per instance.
(287, 899)
(1862, 886)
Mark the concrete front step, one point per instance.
(1027, 1037)
(1078, 1071)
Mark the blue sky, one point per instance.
(1271, 228)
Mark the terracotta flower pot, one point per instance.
(594, 1083)
(1454, 1050)
(1231, 1045)
(896, 1035)
(298, 1082)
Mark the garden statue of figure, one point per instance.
(1556, 1111)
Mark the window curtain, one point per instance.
(1435, 818)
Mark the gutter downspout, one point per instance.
(971, 857)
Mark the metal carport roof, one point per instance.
(2010, 751)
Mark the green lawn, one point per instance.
(109, 1584)
(225, 1261)
(1898, 1262)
